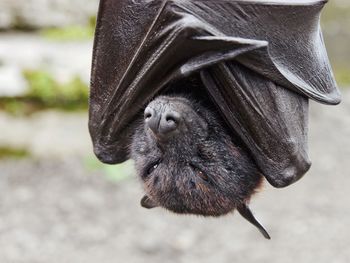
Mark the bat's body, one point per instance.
(258, 61)
(189, 164)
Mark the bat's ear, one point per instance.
(245, 211)
(148, 203)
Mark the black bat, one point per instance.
(189, 163)
(258, 61)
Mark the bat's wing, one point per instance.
(259, 60)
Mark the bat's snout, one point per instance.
(162, 120)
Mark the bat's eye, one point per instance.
(203, 176)
(152, 167)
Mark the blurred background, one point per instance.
(59, 204)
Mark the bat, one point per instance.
(188, 162)
(258, 61)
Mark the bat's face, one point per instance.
(186, 161)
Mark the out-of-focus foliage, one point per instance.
(71, 33)
(68, 33)
(342, 75)
(335, 23)
(44, 91)
(13, 153)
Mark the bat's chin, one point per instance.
(202, 209)
(209, 212)
(207, 206)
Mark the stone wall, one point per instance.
(45, 13)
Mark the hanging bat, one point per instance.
(189, 164)
(258, 61)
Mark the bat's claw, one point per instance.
(146, 202)
(247, 214)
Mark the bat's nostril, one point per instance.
(161, 123)
(172, 117)
(151, 119)
(169, 122)
(149, 112)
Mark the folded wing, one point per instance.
(260, 61)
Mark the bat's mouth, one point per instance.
(189, 190)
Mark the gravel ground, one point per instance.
(54, 209)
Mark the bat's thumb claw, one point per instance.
(247, 214)
(148, 203)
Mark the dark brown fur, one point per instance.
(196, 170)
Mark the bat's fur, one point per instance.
(198, 168)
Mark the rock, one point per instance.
(36, 134)
(12, 81)
(45, 13)
(22, 51)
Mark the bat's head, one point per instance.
(186, 161)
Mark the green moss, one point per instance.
(45, 92)
(13, 153)
(44, 89)
(12, 106)
(41, 85)
(92, 22)
(342, 75)
(68, 33)
(335, 21)
(72, 32)
(333, 11)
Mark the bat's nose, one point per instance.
(162, 122)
